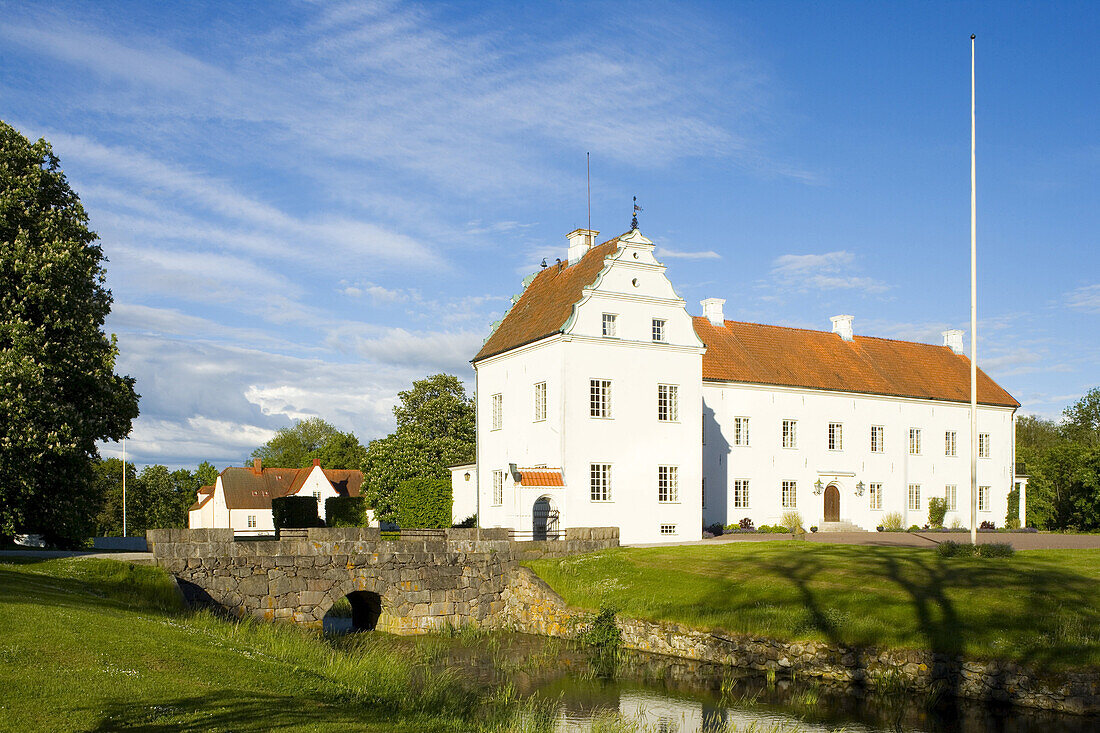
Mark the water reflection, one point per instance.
(660, 693)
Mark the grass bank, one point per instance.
(1039, 607)
(103, 645)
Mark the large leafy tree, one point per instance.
(435, 429)
(296, 446)
(58, 390)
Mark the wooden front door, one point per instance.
(832, 503)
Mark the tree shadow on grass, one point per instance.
(931, 589)
(245, 711)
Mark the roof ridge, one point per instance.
(817, 330)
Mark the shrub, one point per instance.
(813, 528)
(745, 523)
(295, 512)
(346, 511)
(987, 525)
(914, 528)
(468, 523)
(937, 510)
(1013, 523)
(715, 529)
(891, 520)
(423, 503)
(956, 524)
(965, 549)
(792, 520)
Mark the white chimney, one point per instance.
(954, 339)
(580, 241)
(842, 325)
(712, 309)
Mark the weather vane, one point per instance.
(634, 221)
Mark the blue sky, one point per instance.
(308, 205)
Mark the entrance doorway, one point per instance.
(544, 520)
(832, 503)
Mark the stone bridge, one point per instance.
(418, 582)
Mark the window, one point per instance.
(498, 488)
(668, 403)
(836, 436)
(658, 329)
(740, 431)
(540, 401)
(790, 494)
(790, 433)
(668, 529)
(609, 330)
(498, 411)
(950, 493)
(983, 445)
(317, 496)
(251, 521)
(741, 493)
(601, 481)
(876, 496)
(599, 391)
(950, 444)
(878, 438)
(914, 441)
(914, 497)
(668, 483)
(983, 498)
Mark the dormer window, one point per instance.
(609, 325)
(659, 329)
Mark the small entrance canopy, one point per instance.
(541, 477)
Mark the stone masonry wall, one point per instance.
(531, 606)
(422, 582)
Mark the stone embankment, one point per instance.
(531, 606)
(416, 583)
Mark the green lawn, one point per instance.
(1040, 607)
(102, 645)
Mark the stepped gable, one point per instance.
(548, 302)
(796, 357)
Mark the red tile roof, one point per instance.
(547, 302)
(245, 489)
(203, 498)
(540, 477)
(796, 357)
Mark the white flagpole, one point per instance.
(973, 316)
(124, 487)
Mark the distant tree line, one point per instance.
(1062, 460)
(156, 498)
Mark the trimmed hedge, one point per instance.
(423, 503)
(346, 511)
(295, 512)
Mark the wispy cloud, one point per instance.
(672, 254)
(826, 271)
(1086, 298)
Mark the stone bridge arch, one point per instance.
(422, 581)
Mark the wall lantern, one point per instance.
(818, 486)
(467, 475)
(859, 488)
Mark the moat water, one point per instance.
(667, 694)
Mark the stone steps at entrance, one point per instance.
(842, 526)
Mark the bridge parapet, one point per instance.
(412, 583)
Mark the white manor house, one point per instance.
(602, 402)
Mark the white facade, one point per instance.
(630, 445)
(463, 492)
(764, 462)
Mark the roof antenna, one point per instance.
(588, 166)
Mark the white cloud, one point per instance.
(1086, 298)
(666, 253)
(826, 271)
